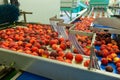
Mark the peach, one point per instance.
(118, 64)
(60, 58)
(104, 61)
(54, 54)
(115, 59)
(40, 52)
(58, 49)
(61, 53)
(86, 63)
(113, 55)
(78, 58)
(54, 46)
(45, 54)
(63, 46)
(34, 49)
(68, 61)
(69, 55)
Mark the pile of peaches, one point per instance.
(84, 41)
(84, 24)
(109, 51)
(39, 40)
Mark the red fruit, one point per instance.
(87, 53)
(59, 49)
(117, 65)
(88, 41)
(68, 44)
(117, 51)
(104, 61)
(109, 58)
(40, 52)
(109, 44)
(68, 61)
(69, 55)
(13, 49)
(46, 41)
(45, 54)
(115, 47)
(19, 43)
(118, 70)
(32, 41)
(63, 46)
(28, 52)
(54, 34)
(16, 37)
(78, 58)
(54, 54)
(37, 44)
(28, 45)
(54, 46)
(86, 63)
(51, 57)
(75, 50)
(116, 59)
(99, 53)
(26, 48)
(103, 47)
(105, 52)
(103, 42)
(34, 53)
(60, 58)
(113, 55)
(34, 49)
(20, 50)
(61, 54)
(53, 42)
(98, 43)
(109, 48)
(61, 40)
(9, 39)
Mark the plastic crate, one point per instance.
(101, 3)
(70, 3)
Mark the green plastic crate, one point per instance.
(103, 3)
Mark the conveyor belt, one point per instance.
(96, 12)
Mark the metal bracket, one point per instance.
(24, 15)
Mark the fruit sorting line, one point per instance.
(49, 65)
(35, 64)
